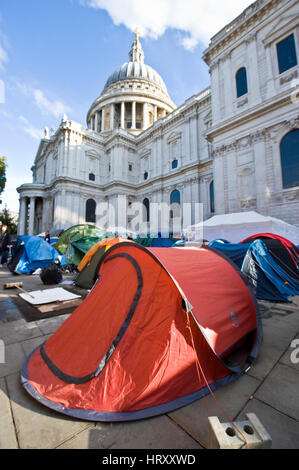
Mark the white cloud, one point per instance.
(55, 108)
(34, 132)
(3, 50)
(198, 19)
(49, 107)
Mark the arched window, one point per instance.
(91, 177)
(175, 201)
(90, 212)
(241, 82)
(175, 213)
(145, 175)
(174, 164)
(212, 197)
(289, 159)
(146, 207)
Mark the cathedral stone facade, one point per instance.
(232, 147)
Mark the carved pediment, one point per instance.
(282, 26)
(174, 136)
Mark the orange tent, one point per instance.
(127, 353)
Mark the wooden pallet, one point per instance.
(54, 306)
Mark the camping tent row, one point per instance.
(132, 349)
(270, 263)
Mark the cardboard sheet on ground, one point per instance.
(57, 294)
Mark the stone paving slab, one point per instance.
(232, 397)
(15, 332)
(154, 433)
(7, 431)
(281, 390)
(14, 359)
(277, 337)
(38, 427)
(31, 344)
(283, 430)
(50, 325)
(291, 355)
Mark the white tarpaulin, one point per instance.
(57, 294)
(238, 226)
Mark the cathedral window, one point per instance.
(212, 197)
(241, 82)
(91, 177)
(289, 159)
(174, 164)
(90, 212)
(130, 167)
(145, 175)
(286, 53)
(146, 206)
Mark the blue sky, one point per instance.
(56, 55)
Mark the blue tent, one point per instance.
(162, 242)
(30, 253)
(235, 251)
(273, 276)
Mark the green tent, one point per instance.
(77, 240)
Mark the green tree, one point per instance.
(3, 166)
(8, 220)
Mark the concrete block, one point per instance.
(226, 436)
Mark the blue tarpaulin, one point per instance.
(31, 253)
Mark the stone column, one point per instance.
(133, 114)
(31, 216)
(144, 117)
(103, 120)
(122, 115)
(214, 71)
(155, 113)
(270, 81)
(262, 201)
(96, 121)
(111, 116)
(252, 71)
(228, 92)
(22, 216)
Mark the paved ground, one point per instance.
(270, 390)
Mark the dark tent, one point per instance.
(270, 268)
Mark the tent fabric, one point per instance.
(76, 241)
(271, 271)
(292, 249)
(235, 251)
(126, 353)
(88, 266)
(31, 253)
(238, 226)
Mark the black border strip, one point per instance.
(79, 380)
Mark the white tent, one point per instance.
(238, 226)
